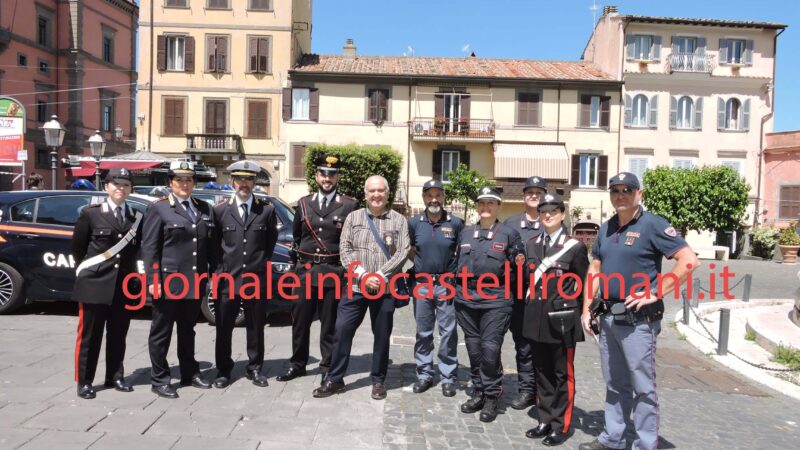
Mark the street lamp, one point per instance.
(98, 146)
(54, 136)
(118, 132)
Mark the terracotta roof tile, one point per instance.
(710, 22)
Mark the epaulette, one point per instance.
(162, 200)
(221, 202)
(96, 205)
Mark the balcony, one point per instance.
(688, 62)
(220, 144)
(455, 129)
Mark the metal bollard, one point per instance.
(748, 279)
(724, 331)
(686, 316)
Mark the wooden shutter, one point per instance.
(257, 119)
(605, 112)
(438, 106)
(298, 165)
(211, 53)
(655, 50)
(673, 111)
(585, 111)
(748, 52)
(720, 113)
(466, 103)
(222, 53)
(630, 47)
(602, 171)
(528, 109)
(436, 164)
(654, 111)
(188, 62)
(628, 110)
(700, 50)
(286, 103)
(215, 117)
(263, 55)
(575, 170)
(161, 53)
(378, 105)
(698, 113)
(252, 55)
(313, 102)
(723, 51)
(173, 116)
(463, 157)
(745, 115)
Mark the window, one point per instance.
(218, 4)
(24, 212)
(216, 117)
(735, 164)
(108, 49)
(63, 210)
(43, 31)
(639, 116)
(22, 60)
(108, 118)
(685, 117)
(595, 111)
(788, 202)
(41, 110)
(107, 110)
(736, 51)
(528, 108)
(300, 103)
(42, 158)
(176, 3)
(378, 110)
(217, 53)
(450, 161)
(298, 167)
(174, 116)
(258, 119)
(733, 114)
(260, 5)
(641, 111)
(588, 170)
(258, 54)
(642, 47)
(732, 111)
(451, 110)
(44, 67)
(446, 160)
(684, 45)
(637, 165)
(175, 53)
(682, 163)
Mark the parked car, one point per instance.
(36, 243)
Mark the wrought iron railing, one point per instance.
(455, 128)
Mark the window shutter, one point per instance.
(211, 112)
(188, 45)
(748, 52)
(252, 55)
(628, 110)
(383, 104)
(257, 119)
(263, 55)
(161, 54)
(674, 42)
(698, 113)
(605, 111)
(211, 53)
(466, 102)
(298, 166)
(629, 47)
(438, 105)
(313, 108)
(585, 110)
(701, 47)
(222, 53)
(533, 110)
(654, 111)
(673, 112)
(169, 116)
(286, 103)
(745, 115)
(655, 51)
(720, 113)
(436, 164)
(372, 105)
(463, 157)
(602, 171)
(723, 51)
(575, 170)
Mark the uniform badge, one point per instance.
(670, 232)
(622, 176)
(629, 241)
(448, 232)
(498, 246)
(519, 259)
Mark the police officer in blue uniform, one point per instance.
(434, 238)
(485, 314)
(631, 243)
(177, 243)
(552, 319)
(246, 238)
(105, 244)
(528, 226)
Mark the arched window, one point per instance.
(639, 111)
(732, 113)
(685, 112)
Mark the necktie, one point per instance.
(547, 243)
(120, 218)
(189, 210)
(324, 202)
(244, 212)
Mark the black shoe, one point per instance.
(422, 386)
(449, 389)
(474, 404)
(594, 445)
(222, 381)
(197, 381)
(291, 374)
(542, 430)
(165, 391)
(378, 391)
(119, 384)
(489, 411)
(328, 388)
(257, 378)
(86, 391)
(523, 400)
(555, 438)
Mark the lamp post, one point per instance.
(118, 132)
(98, 146)
(54, 136)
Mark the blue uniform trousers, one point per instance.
(526, 370)
(428, 311)
(484, 329)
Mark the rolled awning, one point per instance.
(525, 160)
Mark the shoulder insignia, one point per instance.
(221, 202)
(670, 232)
(96, 205)
(194, 201)
(256, 200)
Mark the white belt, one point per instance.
(108, 254)
(548, 262)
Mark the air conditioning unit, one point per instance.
(421, 127)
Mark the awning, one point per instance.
(525, 160)
(87, 167)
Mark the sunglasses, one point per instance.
(624, 191)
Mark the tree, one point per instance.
(463, 186)
(708, 198)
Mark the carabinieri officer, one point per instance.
(484, 248)
(177, 244)
(528, 226)
(247, 236)
(552, 320)
(105, 243)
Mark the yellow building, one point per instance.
(210, 77)
(509, 119)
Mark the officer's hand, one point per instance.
(151, 289)
(586, 322)
(645, 299)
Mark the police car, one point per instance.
(36, 244)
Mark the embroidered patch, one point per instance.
(466, 245)
(520, 259)
(447, 229)
(498, 246)
(670, 232)
(629, 241)
(632, 234)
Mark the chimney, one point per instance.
(349, 49)
(610, 10)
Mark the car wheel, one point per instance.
(11, 292)
(209, 307)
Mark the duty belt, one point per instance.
(473, 284)
(318, 258)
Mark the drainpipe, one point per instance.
(150, 87)
(558, 116)
(621, 98)
(408, 150)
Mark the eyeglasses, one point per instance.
(624, 191)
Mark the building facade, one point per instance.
(781, 193)
(211, 73)
(73, 59)
(508, 119)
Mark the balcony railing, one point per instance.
(436, 128)
(213, 143)
(688, 62)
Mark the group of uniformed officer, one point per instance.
(180, 235)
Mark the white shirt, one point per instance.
(248, 202)
(113, 207)
(191, 206)
(330, 197)
(553, 236)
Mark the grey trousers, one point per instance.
(427, 312)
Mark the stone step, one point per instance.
(772, 326)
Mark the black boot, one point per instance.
(474, 404)
(489, 412)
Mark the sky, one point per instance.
(534, 29)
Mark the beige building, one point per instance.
(211, 73)
(509, 119)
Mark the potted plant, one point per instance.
(789, 243)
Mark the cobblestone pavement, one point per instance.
(703, 405)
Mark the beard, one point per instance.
(327, 191)
(434, 209)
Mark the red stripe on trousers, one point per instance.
(570, 388)
(78, 342)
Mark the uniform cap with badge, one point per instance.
(432, 184)
(244, 169)
(119, 174)
(489, 193)
(181, 169)
(626, 179)
(328, 164)
(535, 182)
(550, 202)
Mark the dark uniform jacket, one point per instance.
(536, 324)
(327, 227)
(245, 247)
(527, 229)
(179, 245)
(96, 231)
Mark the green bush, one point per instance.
(763, 241)
(789, 235)
(358, 164)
